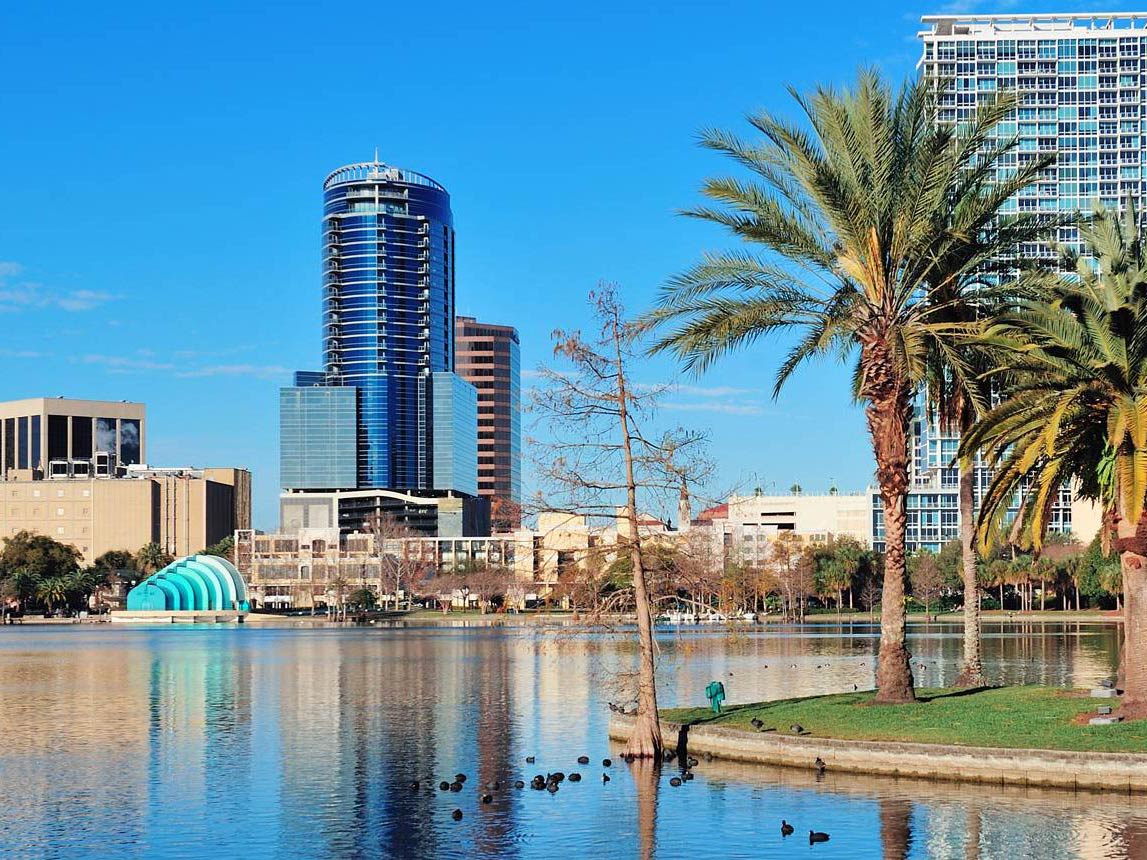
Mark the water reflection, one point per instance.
(895, 828)
(305, 743)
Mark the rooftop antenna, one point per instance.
(376, 155)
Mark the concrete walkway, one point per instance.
(1118, 772)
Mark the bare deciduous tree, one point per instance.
(926, 579)
(397, 571)
(792, 567)
(600, 457)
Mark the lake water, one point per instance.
(184, 742)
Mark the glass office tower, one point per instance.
(388, 307)
(1079, 83)
(317, 436)
(385, 427)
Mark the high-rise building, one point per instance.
(59, 437)
(73, 471)
(386, 426)
(1079, 82)
(487, 357)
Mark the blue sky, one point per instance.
(160, 192)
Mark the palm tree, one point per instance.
(863, 220)
(1073, 369)
(152, 557)
(52, 591)
(21, 585)
(973, 286)
(85, 582)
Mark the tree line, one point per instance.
(39, 573)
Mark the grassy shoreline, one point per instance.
(1027, 717)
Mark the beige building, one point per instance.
(46, 437)
(300, 569)
(742, 528)
(71, 470)
(297, 568)
(183, 510)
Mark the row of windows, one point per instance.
(34, 511)
(1030, 49)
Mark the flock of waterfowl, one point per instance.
(551, 782)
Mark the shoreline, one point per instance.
(568, 619)
(1123, 773)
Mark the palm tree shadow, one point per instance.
(954, 694)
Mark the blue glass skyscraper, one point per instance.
(393, 429)
(388, 307)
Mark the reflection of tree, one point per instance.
(972, 839)
(895, 829)
(646, 775)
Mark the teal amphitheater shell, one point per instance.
(197, 583)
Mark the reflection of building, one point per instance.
(487, 357)
(386, 426)
(76, 477)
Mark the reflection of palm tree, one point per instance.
(895, 829)
(646, 773)
(972, 838)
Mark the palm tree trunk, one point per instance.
(1132, 546)
(887, 415)
(972, 672)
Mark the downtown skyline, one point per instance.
(221, 317)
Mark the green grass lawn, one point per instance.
(1008, 717)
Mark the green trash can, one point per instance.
(715, 693)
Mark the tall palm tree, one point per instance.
(53, 591)
(1073, 369)
(861, 218)
(152, 557)
(972, 285)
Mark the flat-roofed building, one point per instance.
(72, 470)
(183, 510)
(487, 356)
(43, 437)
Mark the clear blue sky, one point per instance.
(161, 170)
